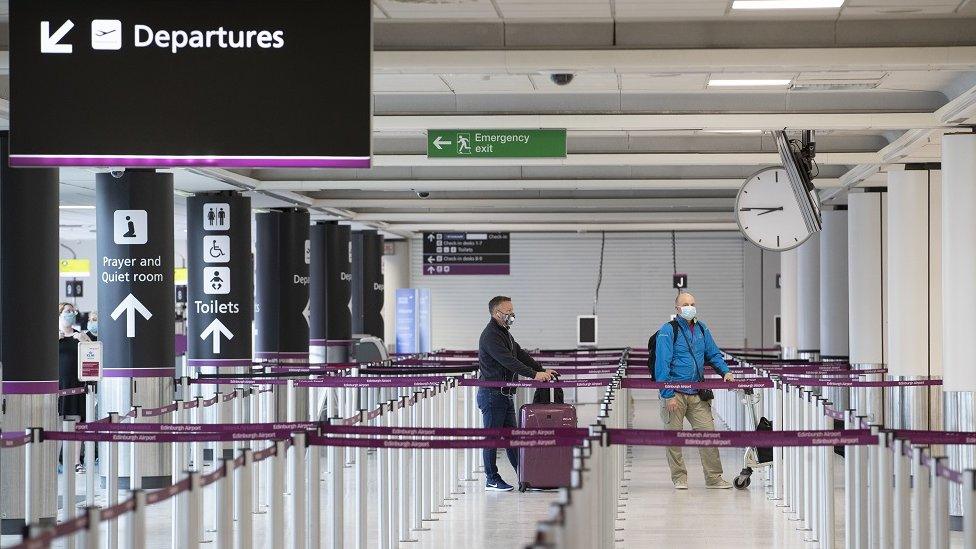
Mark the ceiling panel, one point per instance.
(483, 83)
(437, 9)
(582, 82)
(408, 83)
(663, 82)
(555, 9)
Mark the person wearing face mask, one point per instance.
(69, 337)
(92, 328)
(502, 359)
(681, 357)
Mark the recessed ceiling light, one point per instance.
(748, 82)
(785, 4)
(76, 207)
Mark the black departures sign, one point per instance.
(155, 83)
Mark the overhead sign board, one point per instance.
(233, 83)
(74, 268)
(468, 143)
(456, 253)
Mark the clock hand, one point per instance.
(765, 210)
(770, 210)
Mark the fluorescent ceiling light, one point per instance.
(732, 131)
(748, 83)
(182, 194)
(76, 207)
(785, 4)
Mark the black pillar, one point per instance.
(281, 282)
(367, 283)
(28, 322)
(220, 305)
(329, 289)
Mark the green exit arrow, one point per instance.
(475, 143)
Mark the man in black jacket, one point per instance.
(502, 359)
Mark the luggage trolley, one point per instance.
(754, 457)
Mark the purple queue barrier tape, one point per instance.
(546, 442)
(949, 474)
(890, 383)
(353, 382)
(282, 427)
(163, 494)
(13, 440)
(631, 383)
(537, 384)
(661, 437)
(117, 510)
(213, 476)
(833, 413)
(936, 437)
(164, 437)
(63, 529)
(455, 432)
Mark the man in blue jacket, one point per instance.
(681, 357)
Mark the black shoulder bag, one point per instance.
(706, 395)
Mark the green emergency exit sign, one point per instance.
(496, 143)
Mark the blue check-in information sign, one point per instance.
(457, 253)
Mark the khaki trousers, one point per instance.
(699, 415)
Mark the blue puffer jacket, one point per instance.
(674, 362)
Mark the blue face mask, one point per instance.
(68, 319)
(688, 312)
(93, 327)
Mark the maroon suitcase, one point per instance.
(546, 467)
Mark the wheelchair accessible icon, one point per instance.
(216, 249)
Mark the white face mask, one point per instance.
(507, 319)
(688, 312)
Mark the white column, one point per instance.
(833, 284)
(808, 296)
(959, 259)
(787, 284)
(914, 282)
(866, 272)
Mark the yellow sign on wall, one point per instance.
(74, 268)
(180, 277)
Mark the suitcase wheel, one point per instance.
(742, 482)
(523, 486)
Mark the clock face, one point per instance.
(767, 212)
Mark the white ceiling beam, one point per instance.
(617, 159)
(676, 60)
(647, 122)
(509, 204)
(548, 217)
(466, 185)
(563, 227)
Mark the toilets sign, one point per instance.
(464, 143)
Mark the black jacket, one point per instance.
(501, 357)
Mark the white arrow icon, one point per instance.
(430, 269)
(430, 238)
(217, 329)
(49, 42)
(439, 143)
(307, 312)
(430, 259)
(130, 305)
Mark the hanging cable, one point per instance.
(599, 276)
(674, 255)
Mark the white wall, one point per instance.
(553, 277)
(396, 275)
(86, 249)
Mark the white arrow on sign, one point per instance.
(430, 259)
(307, 312)
(217, 329)
(439, 142)
(430, 269)
(430, 238)
(50, 42)
(130, 305)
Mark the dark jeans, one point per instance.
(497, 410)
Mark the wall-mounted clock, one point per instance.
(767, 212)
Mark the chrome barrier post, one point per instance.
(313, 474)
(883, 489)
(245, 500)
(33, 457)
(177, 455)
(68, 482)
(276, 496)
(257, 412)
(418, 466)
(777, 450)
(920, 499)
(135, 461)
(191, 512)
(969, 508)
(224, 505)
(383, 518)
(902, 471)
(850, 504)
(92, 538)
(939, 505)
(336, 483)
(298, 487)
(869, 482)
(112, 486)
(861, 497)
(406, 467)
(362, 478)
(428, 465)
(809, 471)
(393, 468)
(90, 447)
(137, 521)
